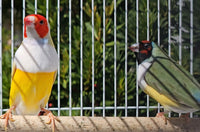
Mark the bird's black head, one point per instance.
(143, 50)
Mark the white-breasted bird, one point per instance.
(164, 80)
(34, 71)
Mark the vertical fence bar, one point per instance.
(47, 17)
(70, 76)
(58, 49)
(92, 57)
(81, 57)
(169, 28)
(104, 47)
(158, 6)
(35, 6)
(147, 19)
(191, 41)
(180, 35)
(147, 39)
(115, 60)
(180, 32)
(137, 41)
(23, 15)
(126, 24)
(12, 32)
(47, 10)
(1, 91)
(191, 37)
(169, 34)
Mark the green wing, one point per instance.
(172, 80)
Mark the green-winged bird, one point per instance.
(164, 80)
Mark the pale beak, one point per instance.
(134, 47)
(29, 21)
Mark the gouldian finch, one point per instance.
(164, 80)
(34, 71)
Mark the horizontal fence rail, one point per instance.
(96, 66)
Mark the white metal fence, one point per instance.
(115, 107)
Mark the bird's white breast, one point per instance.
(36, 56)
(142, 68)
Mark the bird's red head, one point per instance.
(38, 22)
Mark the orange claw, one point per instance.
(185, 116)
(8, 116)
(52, 118)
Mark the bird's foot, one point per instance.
(7, 116)
(52, 118)
(162, 115)
(185, 116)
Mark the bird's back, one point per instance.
(172, 80)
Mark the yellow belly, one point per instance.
(30, 91)
(162, 99)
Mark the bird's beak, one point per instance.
(29, 20)
(134, 47)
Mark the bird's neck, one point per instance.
(141, 57)
(32, 40)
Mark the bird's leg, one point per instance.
(8, 116)
(41, 113)
(162, 115)
(185, 116)
(52, 118)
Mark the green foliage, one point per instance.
(6, 66)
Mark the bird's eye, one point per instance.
(41, 22)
